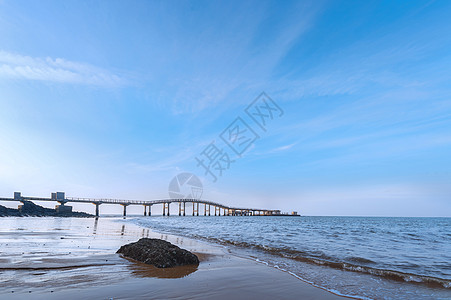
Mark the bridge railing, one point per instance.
(152, 202)
(134, 202)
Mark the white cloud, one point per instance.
(283, 148)
(17, 66)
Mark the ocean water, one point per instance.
(363, 257)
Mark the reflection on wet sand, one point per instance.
(140, 269)
(96, 223)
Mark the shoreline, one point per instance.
(220, 274)
(249, 258)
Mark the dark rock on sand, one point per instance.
(29, 209)
(159, 253)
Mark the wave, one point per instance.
(353, 263)
(324, 260)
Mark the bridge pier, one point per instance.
(184, 208)
(166, 206)
(150, 210)
(205, 209)
(125, 209)
(62, 208)
(180, 209)
(195, 209)
(97, 204)
(208, 209)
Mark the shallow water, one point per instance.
(369, 257)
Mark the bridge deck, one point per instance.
(123, 202)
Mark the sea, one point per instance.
(360, 257)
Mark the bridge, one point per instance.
(61, 198)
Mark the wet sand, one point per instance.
(75, 259)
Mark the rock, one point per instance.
(29, 209)
(5, 211)
(159, 253)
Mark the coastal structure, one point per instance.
(208, 206)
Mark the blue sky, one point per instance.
(115, 98)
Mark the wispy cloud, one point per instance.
(60, 70)
(283, 148)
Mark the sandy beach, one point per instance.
(55, 258)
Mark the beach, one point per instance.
(74, 258)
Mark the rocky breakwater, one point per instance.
(159, 253)
(29, 209)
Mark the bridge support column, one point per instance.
(97, 208)
(145, 211)
(63, 208)
(125, 210)
(150, 210)
(209, 210)
(180, 209)
(166, 207)
(197, 209)
(184, 207)
(215, 210)
(205, 209)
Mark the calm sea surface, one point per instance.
(368, 257)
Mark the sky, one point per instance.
(113, 99)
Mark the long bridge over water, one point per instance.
(61, 198)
